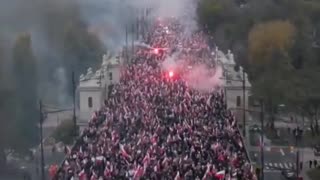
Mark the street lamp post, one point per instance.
(297, 156)
(74, 104)
(41, 141)
(262, 139)
(244, 101)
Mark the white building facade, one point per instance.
(237, 87)
(93, 87)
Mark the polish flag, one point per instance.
(146, 159)
(208, 101)
(107, 172)
(188, 95)
(94, 176)
(240, 143)
(94, 115)
(177, 176)
(82, 175)
(100, 159)
(138, 173)
(154, 140)
(124, 152)
(220, 175)
(113, 135)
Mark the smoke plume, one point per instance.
(198, 76)
(204, 79)
(46, 21)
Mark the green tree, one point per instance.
(3, 113)
(25, 101)
(311, 99)
(269, 62)
(212, 13)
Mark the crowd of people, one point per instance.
(154, 126)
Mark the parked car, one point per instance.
(289, 174)
(316, 150)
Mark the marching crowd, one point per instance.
(154, 126)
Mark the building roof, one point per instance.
(93, 80)
(232, 78)
(90, 83)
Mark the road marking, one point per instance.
(270, 164)
(282, 152)
(268, 148)
(286, 165)
(275, 165)
(267, 167)
(281, 166)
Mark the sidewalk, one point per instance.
(307, 154)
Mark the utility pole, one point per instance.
(132, 40)
(41, 141)
(301, 155)
(74, 104)
(138, 25)
(262, 139)
(244, 101)
(126, 44)
(225, 96)
(142, 24)
(297, 156)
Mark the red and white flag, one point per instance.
(124, 152)
(82, 175)
(221, 174)
(146, 160)
(138, 173)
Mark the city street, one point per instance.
(275, 160)
(277, 157)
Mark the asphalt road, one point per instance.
(273, 175)
(275, 160)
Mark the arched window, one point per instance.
(90, 102)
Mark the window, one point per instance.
(110, 76)
(90, 102)
(238, 101)
(251, 101)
